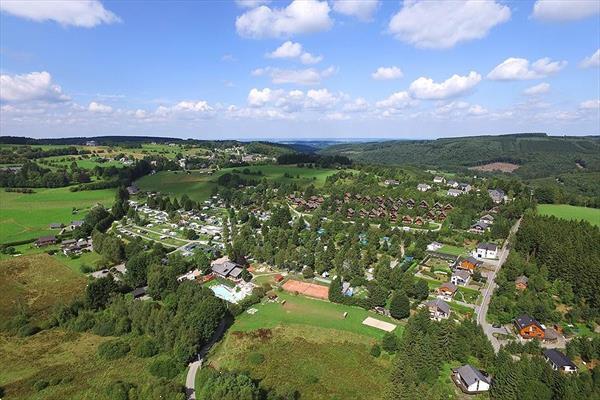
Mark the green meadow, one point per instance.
(565, 211)
(199, 184)
(25, 216)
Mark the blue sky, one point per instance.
(299, 69)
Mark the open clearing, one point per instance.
(379, 324)
(36, 284)
(496, 166)
(199, 184)
(25, 216)
(565, 211)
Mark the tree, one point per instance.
(335, 291)
(308, 273)
(98, 292)
(400, 305)
(389, 342)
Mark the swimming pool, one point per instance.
(232, 295)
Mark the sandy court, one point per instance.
(375, 323)
(307, 289)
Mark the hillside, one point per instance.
(537, 155)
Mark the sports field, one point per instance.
(25, 216)
(565, 211)
(307, 289)
(199, 185)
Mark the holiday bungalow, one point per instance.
(439, 179)
(529, 328)
(471, 380)
(479, 227)
(469, 264)
(454, 192)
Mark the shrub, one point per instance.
(256, 358)
(375, 350)
(146, 348)
(119, 390)
(40, 385)
(164, 367)
(113, 349)
(28, 330)
(389, 342)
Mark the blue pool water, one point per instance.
(225, 293)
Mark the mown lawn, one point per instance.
(25, 216)
(452, 250)
(319, 363)
(565, 211)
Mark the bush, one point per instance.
(146, 348)
(28, 330)
(119, 390)
(164, 368)
(375, 350)
(40, 385)
(113, 349)
(256, 358)
(389, 342)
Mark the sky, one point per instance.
(301, 69)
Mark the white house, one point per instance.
(486, 250)
(465, 187)
(439, 179)
(558, 361)
(460, 277)
(471, 380)
(434, 246)
(423, 187)
(452, 184)
(497, 195)
(454, 192)
(438, 309)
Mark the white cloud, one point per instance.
(251, 3)
(358, 105)
(565, 10)
(81, 13)
(477, 110)
(321, 98)
(385, 73)
(196, 106)
(537, 89)
(30, 87)
(189, 108)
(99, 108)
(258, 98)
(591, 61)
(361, 9)
(519, 69)
(308, 76)
(443, 24)
(337, 116)
(396, 101)
(290, 49)
(456, 85)
(590, 104)
(301, 16)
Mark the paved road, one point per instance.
(190, 379)
(482, 310)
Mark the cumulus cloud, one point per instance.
(361, 9)
(443, 24)
(590, 104)
(291, 49)
(251, 3)
(537, 89)
(199, 108)
(565, 10)
(386, 73)
(99, 108)
(293, 100)
(301, 16)
(519, 69)
(80, 13)
(592, 61)
(396, 101)
(476, 110)
(357, 105)
(456, 85)
(30, 87)
(308, 76)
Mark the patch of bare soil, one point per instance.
(496, 166)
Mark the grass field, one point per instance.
(199, 185)
(564, 211)
(25, 216)
(319, 363)
(66, 357)
(36, 284)
(452, 250)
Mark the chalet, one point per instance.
(424, 204)
(410, 203)
(438, 206)
(521, 282)
(439, 179)
(448, 207)
(452, 184)
(464, 187)
(133, 189)
(407, 219)
(487, 219)
(497, 195)
(479, 227)
(486, 250)
(453, 192)
(430, 215)
(471, 380)
(446, 291)
(434, 246)
(438, 309)
(419, 221)
(558, 361)
(469, 264)
(529, 328)
(442, 216)
(423, 187)
(45, 241)
(460, 277)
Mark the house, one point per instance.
(278, 278)
(438, 309)
(190, 275)
(486, 250)
(497, 195)
(453, 192)
(140, 292)
(133, 189)
(446, 291)
(75, 224)
(391, 182)
(469, 264)
(45, 241)
(424, 204)
(464, 187)
(471, 380)
(487, 219)
(423, 187)
(442, 216)
(558, 361)
(226, 269)
(56, 225)
(529, 328)
(460, 277)
(91, 143)
(434, 246)
(439, 179)
(410, 203)
(452, 184)
(479, 227)
(521, 282)
(407, 219)
(419, 221)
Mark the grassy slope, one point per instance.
(24, 216)
(564, 211)
(36, 283)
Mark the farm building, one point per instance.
(45, 241)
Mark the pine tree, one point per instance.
(400, 305)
